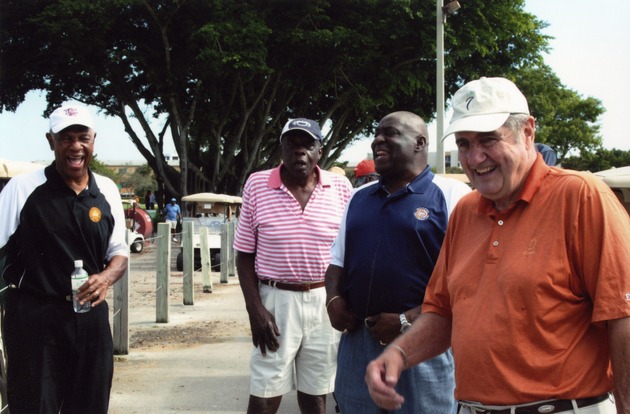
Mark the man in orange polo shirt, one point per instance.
(532, 286)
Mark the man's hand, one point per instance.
(95, 289)
(341, 318)
(265, 332)
(383, 327)
(619, 334)
(381, 377)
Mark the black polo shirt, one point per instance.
(56, 227)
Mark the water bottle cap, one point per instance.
(78, 263)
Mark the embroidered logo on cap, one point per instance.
(71, 111)
(468, 101)
(421, 213)
(628, 296)
(301, 123)
(95, 214)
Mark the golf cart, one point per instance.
(618, 179)
(137, 223)
(208, 210)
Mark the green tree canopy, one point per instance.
(565, 121)
(99, 167)
(222, 76)
(600, 160)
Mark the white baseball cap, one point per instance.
(485, 104)
(67, 115)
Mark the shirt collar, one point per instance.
(54, 177)
(531, 186)
(275, 180)
(418, 185)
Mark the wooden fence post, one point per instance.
(232, 262)
(225, 254)
(206, 260)
(121, 308)
(163, 272)
(189, 262)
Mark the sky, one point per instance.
(590, 53)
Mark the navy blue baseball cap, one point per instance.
(307, 125)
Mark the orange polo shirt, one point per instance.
(529, 289)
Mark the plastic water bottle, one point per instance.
(78, 278)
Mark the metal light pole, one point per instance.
(441, 12)
(439, 85)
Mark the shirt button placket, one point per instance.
(496, 242)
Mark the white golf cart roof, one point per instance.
(211, 203)
(619, 180)
(213, 198)
(616, 177)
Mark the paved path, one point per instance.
(210, 377)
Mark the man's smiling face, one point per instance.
(497, 162)
(73, 148)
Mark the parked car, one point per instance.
(208, 210)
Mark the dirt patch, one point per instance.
(184, 335)
(143, 290)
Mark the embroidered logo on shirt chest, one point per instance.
(95, 214)
(421, 213)
(531, 247)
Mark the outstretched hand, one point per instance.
(382, 375)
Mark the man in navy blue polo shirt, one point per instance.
(381, 263)
(59, 361)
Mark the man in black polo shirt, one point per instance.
(59, 360)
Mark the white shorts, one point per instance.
(173, 223)
(307, 357)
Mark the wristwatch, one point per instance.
(404, 323)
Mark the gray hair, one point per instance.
(515, 123)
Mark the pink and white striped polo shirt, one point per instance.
(291, 245)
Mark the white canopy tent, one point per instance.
(9, 169)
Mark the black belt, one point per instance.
(12, 287)
(295, 287)
(549, 407)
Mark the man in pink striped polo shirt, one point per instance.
(289, 219)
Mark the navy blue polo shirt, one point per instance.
(392, 243)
